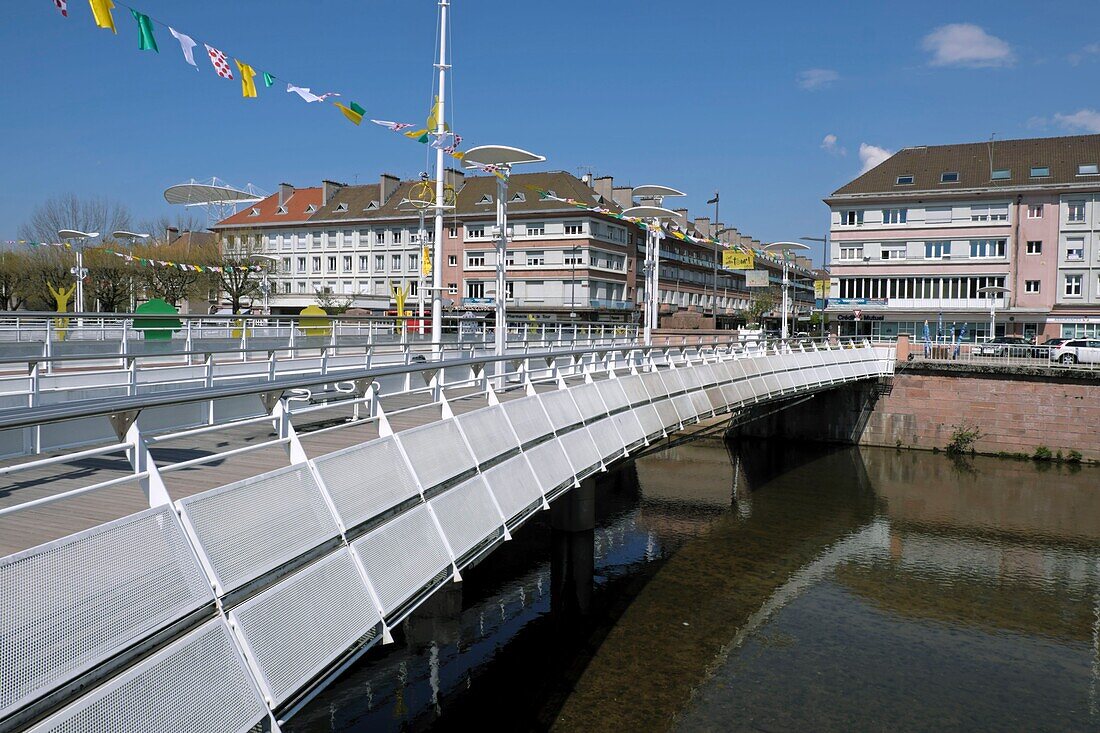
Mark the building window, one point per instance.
(573, 228)
(452, 260)
(573, 258)
(395, 263)
(363, 263)
(301, 264)
(937, 215)
(894, 216)
(536, 229)
(286, 288)
(301, 287)
(1075, 250)
(347, 263)
(414, 287)
(949, 177)
(989, 212)
(414, 262)
(1076, 212)
(851, 218)
(475, 259)
(1035, 211)
(893, 253)
(1088, 169)
(379, 263)
(509, 258)
(536, 259)
(1002, 174)
(316, 264)
(452, 288)
(1040, 171)
(397, 235)
(475, 289)
(1073, 285)
(1031, 286)
(475, 231)
(987, 248)
(332, 264)
(1034, 248)
(379, 236)
(937, 250)
(904, 180)
(851, 253)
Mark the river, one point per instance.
(761, 586)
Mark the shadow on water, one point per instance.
(763, 585)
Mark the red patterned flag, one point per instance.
(220, 62)
(63, 6)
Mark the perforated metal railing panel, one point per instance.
(587, 397)
(667, 412)
(550, 464)
(297, 627)
(366, 480)
(488, 432)
(253, 526)
(561, 409)
(467, 515)
(197, 684)
(606, 436)
(612, 392)
(654, 385)
(71, 604)
(650, 420)
(581, 449)
(437, 452)
(402, 555)
(684, 407)
(514, 485)
(528, 418)
(702, 405)
(634, 389)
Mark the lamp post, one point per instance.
(717, 237)
(993, 291)
(652, 267)
(785, 249)
(79, 272)
(265, 283)
(501, 158)
(824, 261)
(130, 237)
(714, 268)
(573, 282)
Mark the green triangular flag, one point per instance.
(146, 42)
(268, 79)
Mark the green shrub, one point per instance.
(1042, 453)
(1074, 456)
(963, 438)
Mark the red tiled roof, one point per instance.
(296, 209)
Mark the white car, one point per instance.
(1085, 351)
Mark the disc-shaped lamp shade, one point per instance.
(500, 155)
(653, 191)
(994, 290)
(650, 212)
(75, 234)
(784, 246)
(123, 234)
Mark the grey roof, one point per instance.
(974, 162)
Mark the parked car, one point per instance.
(1017, 346)
(1073, 351)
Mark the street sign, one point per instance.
(734, 260)
(756, 278)
(821, 288)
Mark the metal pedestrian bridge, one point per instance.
(206, 556)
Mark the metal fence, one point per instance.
(214, 611)
(1008, 355)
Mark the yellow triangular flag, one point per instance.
(101, 11)
(248, 82)
(433, 116)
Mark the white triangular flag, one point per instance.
(186, 45)
(309, 96)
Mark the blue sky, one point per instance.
(697, 95)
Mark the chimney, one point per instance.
(457, 178)
(756, 243)
(744, 240)
(702, 225)
(170, 233)
(731, 236)
(681, 216)
(328, 190)
(285, 192)
(621, 196)
(388, 184)
(605, 186)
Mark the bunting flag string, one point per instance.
(64, 245)
(101, 13)
(146, 41)
(145, 261)
(187, 45)
(62, 7)
(248, 79)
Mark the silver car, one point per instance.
(1084, 351)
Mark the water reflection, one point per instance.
(766, 586)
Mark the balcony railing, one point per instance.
(615, 305)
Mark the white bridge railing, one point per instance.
(233, 606)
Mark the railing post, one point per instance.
(188, 343)
(280, 414)
(47, 349)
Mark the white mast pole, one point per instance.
(440, 129)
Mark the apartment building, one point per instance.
(919, 236)
(358, 241)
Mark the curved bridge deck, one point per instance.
(255, 558)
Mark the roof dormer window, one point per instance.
(342, 207)
(254, 211)
(904, 181)
(1040, 171)
(485, 199)
(281, 211)
(373, 205)
(517, 198)
(311, 209)
(949, 177)
(1002, 174)
(1088, 169)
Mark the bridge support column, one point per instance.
(573, 523)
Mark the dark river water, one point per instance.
(758, 586)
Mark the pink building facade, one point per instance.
(921, 237)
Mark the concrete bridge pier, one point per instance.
(572, 550)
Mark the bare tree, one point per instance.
(16, 282)
(173, 284)
(110, 280)
(158, 226)
(761, 301)
(241, 277)
(86, 214)
(332, 303)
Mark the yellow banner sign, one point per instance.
(821, 288)
(426, 261)
(734, 260)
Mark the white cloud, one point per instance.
(829, 144)
(872, 155)
(1083, 120)
(813, 79)
(965, 44)
(1091, 49)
